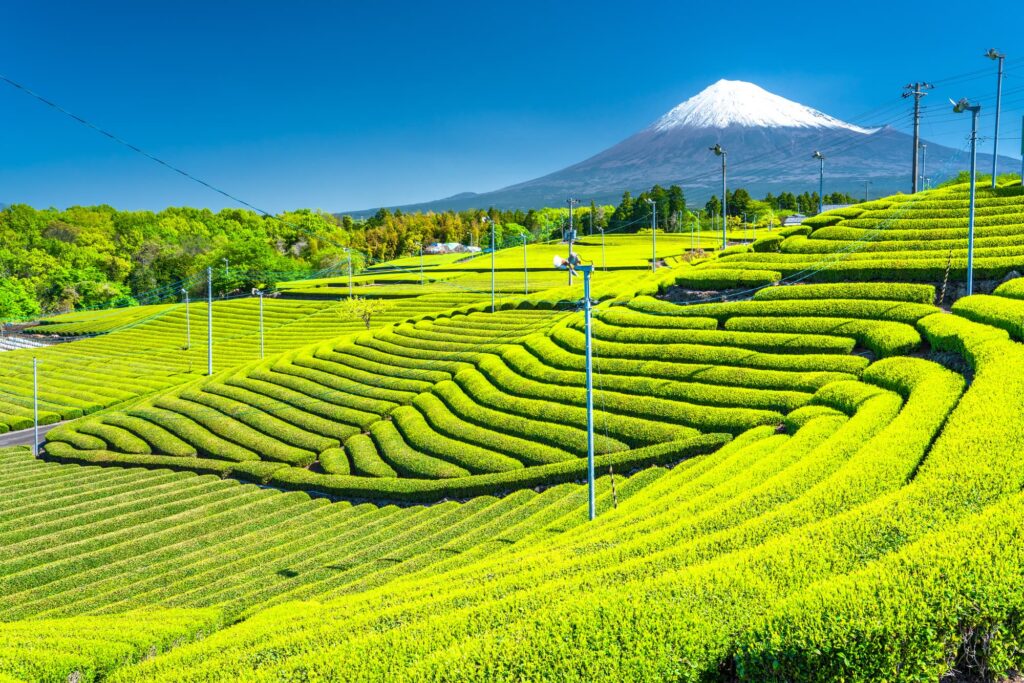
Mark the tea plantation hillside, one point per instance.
(903, 238)
(814, 480)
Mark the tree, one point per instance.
(714, 206)
(357, 307)
(15, 302)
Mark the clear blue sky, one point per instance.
(348, 105)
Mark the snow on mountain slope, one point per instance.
(738, 103)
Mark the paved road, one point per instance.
(24, 437)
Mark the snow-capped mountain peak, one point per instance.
(738, 103)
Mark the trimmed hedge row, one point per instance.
(995, 311)
(757, 341)
(694, 388)
(408, 462)
(544, 350)
(922, 294)
(633, 431)
(725, 278)
(1013, 289)
(426, 490)
(572, 340)
(365, 459)
(895, 311)
(563, 439)
(627, 317)
(418, 428)
(881, 337)
(705, 418)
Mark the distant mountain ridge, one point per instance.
(769, 142)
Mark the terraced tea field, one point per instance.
(796, 481)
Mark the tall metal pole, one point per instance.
(821, 178)
(526, 277)
(188, 322)
(917, 91)
(725, 221)
(924, 166)
(604, 261)
(571, 201)
(970, 215)
(348, 253)
(866, 183)
(717, 149)
(35, 406)
(260, 292)
(993, 54)
(654, 232)
(492, 263)
(590, 391)
(1022, 150)
(209, 320)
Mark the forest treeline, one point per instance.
(90, 257)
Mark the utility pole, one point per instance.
(654, 232)
(604, 261)
(866, 183)
(209, 320)
(917, 91)
(188, 322)
(719, 151)
(821, 178)
(993, 54)
(960, 107)
(571, 201)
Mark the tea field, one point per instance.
(810, 451)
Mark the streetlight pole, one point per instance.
(259, 293)
(526, 277)
(348, 253)
(998, 56)
(573, 264)
(590, 391)
(188, 321)
(924, 166)
(719, 151)
(488, 219)
(571, 201)
(654, 233)
(960, 107)
(209, 320)
(821, 178)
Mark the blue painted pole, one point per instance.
(821, 183)
(209, 320)
(492, 266)
(590, 390)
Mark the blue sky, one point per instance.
(349, 105)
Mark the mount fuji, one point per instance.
(769, 142)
